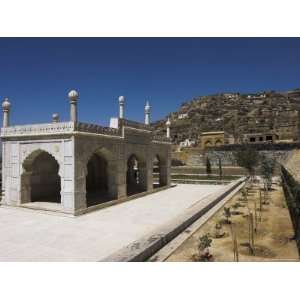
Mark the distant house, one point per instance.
(183, 116)
(187, 143)
(259, 138)
(212, 139)
(231, 95)
(256, 96)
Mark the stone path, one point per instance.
(27, 235)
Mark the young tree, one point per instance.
(208, 167)
(227, 214)
(248, 158)
(203, 247)
(220, 167)
(267, 169)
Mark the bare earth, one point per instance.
(273, 239)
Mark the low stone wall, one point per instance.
(259, 147)
(227, 170)
(228, 157)
(291, 188)
(195, 157)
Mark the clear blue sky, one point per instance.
(36, 74)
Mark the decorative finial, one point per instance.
(55, 118)
(168, 123)
(121, 107)
(6, 104)
(5, 108)
(121, 99)
(147, 113)
(73, 95)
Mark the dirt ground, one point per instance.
(273, 239)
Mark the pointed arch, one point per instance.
(136, 175)
(40, 179)
(208, 143)
(218, 142)
(100, 177)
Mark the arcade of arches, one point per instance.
(41, 181)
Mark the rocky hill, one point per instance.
(236, 114)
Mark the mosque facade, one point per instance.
(74, 167)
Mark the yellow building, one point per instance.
(212, 139)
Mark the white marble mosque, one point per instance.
(75, 167)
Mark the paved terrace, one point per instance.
(28, 235)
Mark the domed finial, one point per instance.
(168, 123)
(121, 99)
(6, 104)
(121, 107)
(73, 95)
(6, 108)
(55, 118)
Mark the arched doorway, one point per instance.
(136, 174)
(97, 189)
(157, 178)
(40, 180)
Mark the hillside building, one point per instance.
(211, 139)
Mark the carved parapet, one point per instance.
(75, 127)
(160, 138)
(37, 129)
(93, 128)
(57, 128)
(136, 125)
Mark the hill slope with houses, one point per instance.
(236, 114)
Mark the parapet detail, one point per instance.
(93, 128)
(37, 129)
(61, 128)
(136, 125)
(161, 138)
(57, 128)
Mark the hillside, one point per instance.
(236, 114)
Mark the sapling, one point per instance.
(220, 168)
(208, 167)
(218, 231)
(251, 233)
(203, 247)
(234, 243)
(255, 216)
(227, 214)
